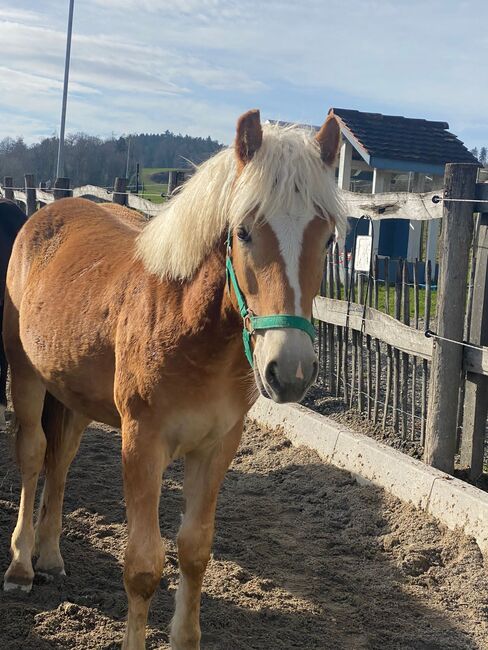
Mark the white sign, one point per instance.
(364, 247)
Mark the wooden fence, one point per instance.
(32, 197)
(373, 352)
(432, 391)
(375, 356)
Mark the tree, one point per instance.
(483, 157)
(91, 160)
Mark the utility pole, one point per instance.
(60, 165)
(128, 159)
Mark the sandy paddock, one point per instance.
(303, 558)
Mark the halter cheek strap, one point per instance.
(252, 323)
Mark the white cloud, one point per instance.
(296, 59)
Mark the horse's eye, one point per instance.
(243, 234)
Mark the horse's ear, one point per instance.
(249, 136)
(328, 139)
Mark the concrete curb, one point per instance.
(453, 502)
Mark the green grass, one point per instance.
(382, 301)
(152, 191)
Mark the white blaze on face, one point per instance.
(289, 233)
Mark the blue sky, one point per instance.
(193, 66)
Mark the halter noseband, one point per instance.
(252, 323)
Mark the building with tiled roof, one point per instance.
(391, 153)
(401, 143)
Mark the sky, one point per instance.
(193, 66)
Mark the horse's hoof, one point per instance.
(17, 584)
(44, 576)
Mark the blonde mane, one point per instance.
(176, 241)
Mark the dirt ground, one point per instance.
(303, 558)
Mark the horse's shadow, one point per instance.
(291, 566)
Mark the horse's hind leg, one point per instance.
(204, 472)
(28, 398)
(63, 429)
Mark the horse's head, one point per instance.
(277, 245)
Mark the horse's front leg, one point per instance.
(144, 459)
(204, 472)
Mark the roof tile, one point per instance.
(403, 138)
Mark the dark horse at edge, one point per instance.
(11, 221)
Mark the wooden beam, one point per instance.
(376, 324)
(93, 190)
(476, 388)
(360, 165)
(393, 205)
(447, 359)
(476, 361)
(415, 226)
(381, 180)
(143, 205)
(345, 160)
(433, 232)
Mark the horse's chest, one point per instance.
(200, 425)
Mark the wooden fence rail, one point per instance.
(43, 196)
(374, 323)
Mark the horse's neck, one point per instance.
(205, 299)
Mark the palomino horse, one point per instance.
(11, 221)
(141, 327)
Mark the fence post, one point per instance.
(30, 194)
(175, 178)
(120, 191)
(476, 390)
(8, 183)
(447, 358)
(61, 188)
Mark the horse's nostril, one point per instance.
(272, 374)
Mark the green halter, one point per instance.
(253, 323)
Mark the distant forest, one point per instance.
(94, 161)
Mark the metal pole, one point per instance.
(60, 166)
(128, 158)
